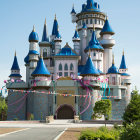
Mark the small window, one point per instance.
(101, 55)
(71, 67)
(87, 21)
(95, 21)
(60, 74)
(90, 21)
(60, 67)
(44, 53)
(66, 67)
(113, 80)
(94, 54)
(66, 74)
(71, 74)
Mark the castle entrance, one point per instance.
(65, 112)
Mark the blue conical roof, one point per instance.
(45, 37)
(41, 69)
(55, 27)
(84, 26)
(15, 65)
(113, 70)
(123, 64)
(94, 43)
(107, 29)
(73, 10)
(89, 68)
(33, 37)
(76, 35)
(58, 34)
(91, 6)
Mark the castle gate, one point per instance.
(65, 112)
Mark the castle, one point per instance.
(58, 78)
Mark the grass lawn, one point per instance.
(8, 130)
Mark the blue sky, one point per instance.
(19, 16)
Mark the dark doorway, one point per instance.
(65, 112)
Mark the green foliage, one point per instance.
(132, 112)
(15, 119)
(41, 116)
(3, 109)
(32, 117)
(131, 132)
(102, 107)
(101, 134)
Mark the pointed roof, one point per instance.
(84, 26)
(41, 69)
(89, 68)
(45, 37)
(123, 64)
(15, 65)
(113, 69)
(76, 35)
(107, 28)
(94, 43)
(73, 10)
(55, 27)
(33, 37)
(66, 51)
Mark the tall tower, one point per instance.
(15, 70)
(76, 42)
(33, 53)
(107, 42)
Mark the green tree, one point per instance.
(102, 108)
(132, 112)
(3, 109)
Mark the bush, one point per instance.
(131, 132)
(32, 117)
(101, 134)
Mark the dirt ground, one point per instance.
(73, 133)
(7, 130)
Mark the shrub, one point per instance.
(101, 134)
(131, 132)
(32, 117)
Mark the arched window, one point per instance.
(90, 21)
(94, 54)
(71, 67)
(66, 67)
(60, 67)
(44, 53)
(95, 21)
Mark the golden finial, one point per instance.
(89, 52)
(45, 21)
(123, 51)
(55, 17)
(33, 28)
(76, 27)
(15, 53)
(113, 61)
(73, 6)
(106, 17)
(93, 27)
(58, 28)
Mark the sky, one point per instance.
(19, 16)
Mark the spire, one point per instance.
(113, 61)
(123, 64)
(73, 10)
(84, 26)
(76, 35)
(89, 68)
(45, 37)
(33, 28)
(15, 65)
(55, 27)
(94, 43)
(107, 28)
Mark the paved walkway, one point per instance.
(34, 134)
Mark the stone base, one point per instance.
(76, 119)
(49, 119)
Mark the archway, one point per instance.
(65, 112)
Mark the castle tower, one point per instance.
(73, 15)
(76, 42)
(107, 42)
(33, 53)
(45, 46)
(15, 70)
(57, 40)
(96, 51)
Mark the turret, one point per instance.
(33, 53)
(96, 51)
(55, 29)
(89, 71)
(73, 15)
(15, 70)
(107, 42)
(76, 42)
(57, 41)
